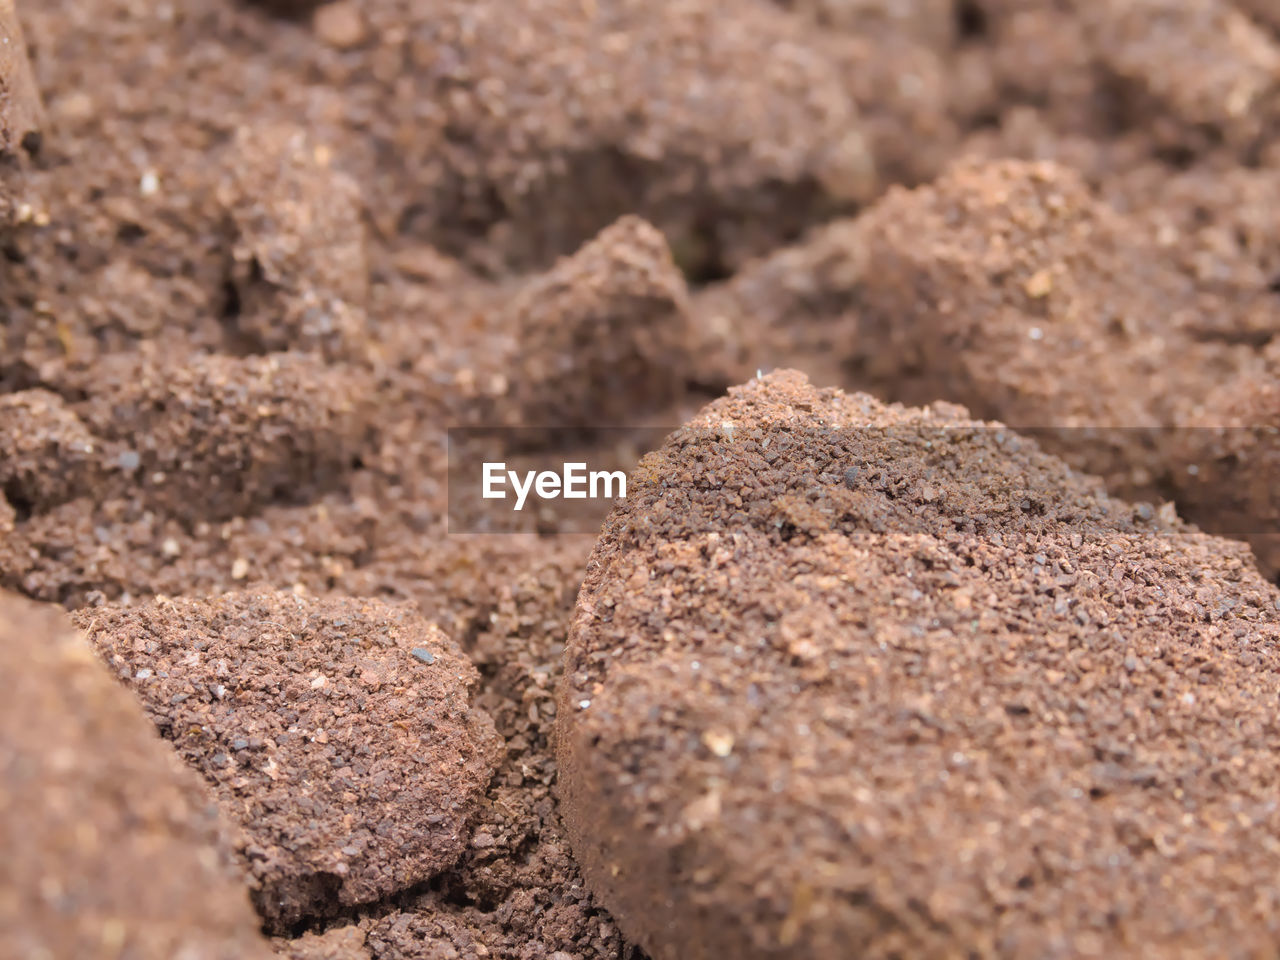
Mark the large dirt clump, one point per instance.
(848, 677)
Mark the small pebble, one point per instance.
(718, 742)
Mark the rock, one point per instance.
(111, 846)
(964, 705)
(361, 767)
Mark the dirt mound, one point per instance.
(981, 281)
(111, 847)
(258, 256)
(338, 734)
(207, 438)
(601, 337)
(846, 677)
(977, 285)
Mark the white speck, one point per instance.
(583, 704)
(318, 682)
(149, 184)
(1035, 333)
(219, 691)
(170, 547)
(240, 569)
(718, 742)
(759, 374)
(696, 665)
(1189, 698)
(142, 674)
(1193, 469)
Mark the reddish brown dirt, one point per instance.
(338, 734)
(257, 255)
(112, 847)
(888, 682)
(21, 115)
(601, 338)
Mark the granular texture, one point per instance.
(855, 679)
(228, 433)
(21, 113)
(977, 285)
(1233, 455)
(299, 275)
(1198, 70)
(339, 943)
(799, 303)
(111, 847)
(1176, 79)
(724, 131)
(259, 255)
(213, 436)
(1214, 223)
(339, 734)
(47, 454)
(602, 336)
(517, 892)
(981, 281)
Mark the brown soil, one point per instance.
(112, 847)
(339, 734)
(256, 256)
(886, 682)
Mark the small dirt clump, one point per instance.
(111, 847)
(338, 734)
